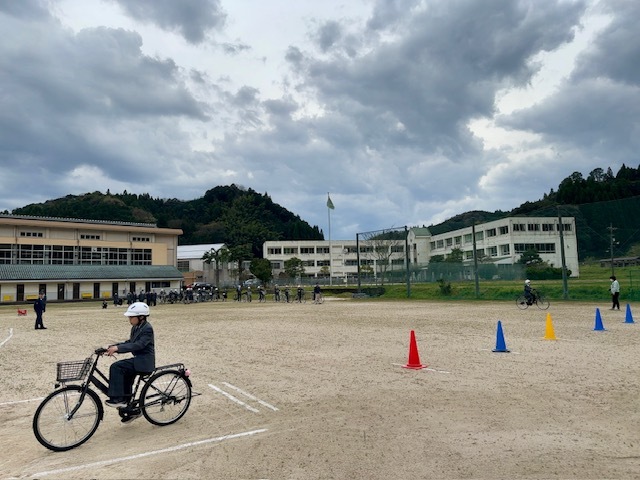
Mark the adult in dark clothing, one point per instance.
(141, 344)
(40, 306)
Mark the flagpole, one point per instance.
(330, 261)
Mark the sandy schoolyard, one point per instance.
(304, 391)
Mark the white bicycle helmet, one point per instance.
(527, 282)
(137, 309)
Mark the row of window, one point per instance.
(325, 250)
(467, 239)
(278, 265)
(83, 236)
(72, 255)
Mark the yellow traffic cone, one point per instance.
(549, 334)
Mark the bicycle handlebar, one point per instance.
(100, 351)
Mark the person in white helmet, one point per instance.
(141, 344)
(528, 292)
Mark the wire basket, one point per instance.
(70, 371)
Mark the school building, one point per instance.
(74, 259)
(501, 242)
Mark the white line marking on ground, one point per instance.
(248, 395)
(8, 338)
(425, 368)
(234, 399)
(148, 454)
(22, 401)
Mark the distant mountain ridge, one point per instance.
(602, 203)
(225, 214)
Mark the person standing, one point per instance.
(40, 306)
(615, 293)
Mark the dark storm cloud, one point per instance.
(190, 18)
(596, 111)
(442, 69)
(81, 99)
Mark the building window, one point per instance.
(309, 263)
(493, 251)
(290, 250)
(32, 234)
(351, 263)
(519, 227)
(504, 249)
(322, 250)
(491, 232)
(538, 247)
(533, 227)
(504, 230)
(449, 242)
(432, 245)
(479, 236)
(467, 238)
(397, 261)
(397, 248)
(439, 243)
(566, 227)
(276, 265)
(548, 227)
(366, 262)
(468, 255)
(274, 251)
(183, 265)
(457, 240)
(368, 249)
(307, 250)
(89, 236)
(323, 263)
(5, 253)
(351, 249)
(140, 239)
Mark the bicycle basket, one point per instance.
(70, 371)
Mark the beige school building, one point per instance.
(75, 259)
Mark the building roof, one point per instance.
(186, 252)
(23, 272)
(421, 231)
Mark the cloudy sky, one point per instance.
(408, 111)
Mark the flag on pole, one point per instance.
(330, 203)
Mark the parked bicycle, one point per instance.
(537, 299)
(71, 414)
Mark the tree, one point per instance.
(294, 267)
(530, 257)
(219, 256)
(324, 271)
(238, 254)
(455, 256)
(261, 268)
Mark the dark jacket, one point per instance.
(142, 345)
(39, 306)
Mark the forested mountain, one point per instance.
(225, 214)
(605, 206)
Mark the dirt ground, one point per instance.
(304, 391)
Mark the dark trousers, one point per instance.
(615, 298)
(121, 376)
(39, 320)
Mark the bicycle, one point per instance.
(318, 298)
(70, 415)
(538, 300)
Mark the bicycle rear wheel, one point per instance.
(51, 423)
(521, 302)
(542, 303)
(165, 398)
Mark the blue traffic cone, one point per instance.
(628, 317)
(599, 325)
(500, 345)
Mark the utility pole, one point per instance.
(611, 229)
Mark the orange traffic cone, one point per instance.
(414, 357)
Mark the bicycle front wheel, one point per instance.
(57, 428)
(165, 398)
(542, 303)
(521, 302)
